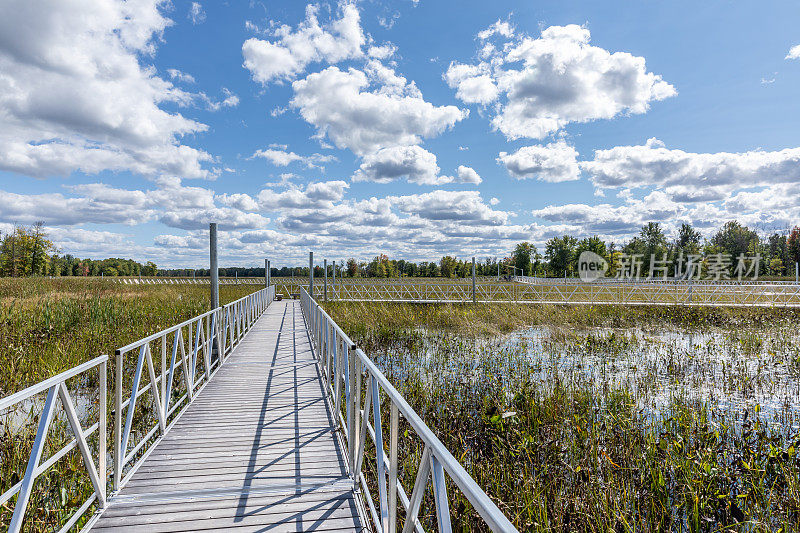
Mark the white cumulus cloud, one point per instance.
(196, 13)
(413, 163)
(75, 96)
(282, 158)
(698, 176)
(288, 54)
(468, 175)
(341, 106)
(539, 85)
(555, 162)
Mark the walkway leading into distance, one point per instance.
(256, 450)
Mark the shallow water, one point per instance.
(659, 367)
(730, 372)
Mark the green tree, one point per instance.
(651, 243)
(776, 266)
(688, 240)
(352, 267)
(777, 250)
(793, 245)
(25, 251)
(735, 239)
(560, 254)
(149, 269)
(448, 265)
(523, 255)
(591, 244)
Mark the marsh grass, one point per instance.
(50, 325)
(569, 447)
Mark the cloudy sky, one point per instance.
(415, 128)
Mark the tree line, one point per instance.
(777, 254)
(27, 251)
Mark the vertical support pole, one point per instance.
(325, 283)
(212, 235)
(351, 408)
(394, 428)
(311, 274)
(357, 445)
(102, 432)
(333, 288)
(164, 367)
(118, 453)
(474, 294)
(266, 273)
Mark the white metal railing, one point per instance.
(184, 281)
(97, 471)
(555, 291)
(344, 367)
(649, 281)
(200, 343)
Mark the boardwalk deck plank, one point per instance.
(256, 450)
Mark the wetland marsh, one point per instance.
(603, 419)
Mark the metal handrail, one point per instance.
(654, 280)
(680, 292)
(56, 386)
(344, 366)
(216, 334)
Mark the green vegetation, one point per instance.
(51, 325)
(601, 418)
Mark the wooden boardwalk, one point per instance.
(255, 451)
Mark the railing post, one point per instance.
(333, 287)
(212, 234)
(474, 295)
(356, 421)
(102, 431)
(118, 453)
(394, 428)
(311, 274)
(163, 366)
(351, 406)
(337, 378)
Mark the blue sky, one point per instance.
(415, 129)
